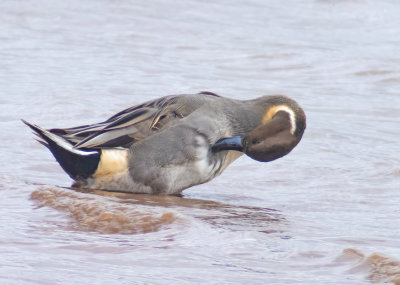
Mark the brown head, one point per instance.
(281, 127)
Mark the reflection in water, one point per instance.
(218, 214)
(378, 267)
(92, 214)
(138, 213)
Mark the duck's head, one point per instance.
(281, 128)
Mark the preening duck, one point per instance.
(169, 144)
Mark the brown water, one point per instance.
(328, 213)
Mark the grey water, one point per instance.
(328, 213)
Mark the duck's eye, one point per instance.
(255, 141)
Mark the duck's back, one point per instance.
(135, 123)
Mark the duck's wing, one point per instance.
(133, 124)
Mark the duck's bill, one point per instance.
(231, 143)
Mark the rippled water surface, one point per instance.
(328, 213)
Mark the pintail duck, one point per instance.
(169, 144)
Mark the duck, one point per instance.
(167, 145)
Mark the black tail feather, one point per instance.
(43, 143)
(78, 164)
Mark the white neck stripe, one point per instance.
(292, 117)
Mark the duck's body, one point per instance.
(167, 145)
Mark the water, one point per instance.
(328, 213)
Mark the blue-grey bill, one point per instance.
(231, 143)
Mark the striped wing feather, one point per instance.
(132, 124)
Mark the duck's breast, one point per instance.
(178, 157)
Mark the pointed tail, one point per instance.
(78, 164)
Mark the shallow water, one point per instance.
(328, 213)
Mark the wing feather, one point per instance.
(132, 124)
